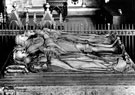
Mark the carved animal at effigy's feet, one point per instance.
(51, 50)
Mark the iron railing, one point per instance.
(125, 32)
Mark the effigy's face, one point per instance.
(19, 54)
(21, 39)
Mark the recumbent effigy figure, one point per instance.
(52, 50)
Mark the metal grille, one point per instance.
(125, 32)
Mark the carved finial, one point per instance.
(47, 19)
(47, 6)
(83, 4)
(14, 5)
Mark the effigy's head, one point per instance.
(19, 53)
(21, 39)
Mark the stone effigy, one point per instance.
(53, 50)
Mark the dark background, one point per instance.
(127, 7)
(1, 5)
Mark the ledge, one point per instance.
(82, 11)
(71, 11)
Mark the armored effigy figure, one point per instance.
(53, 50)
